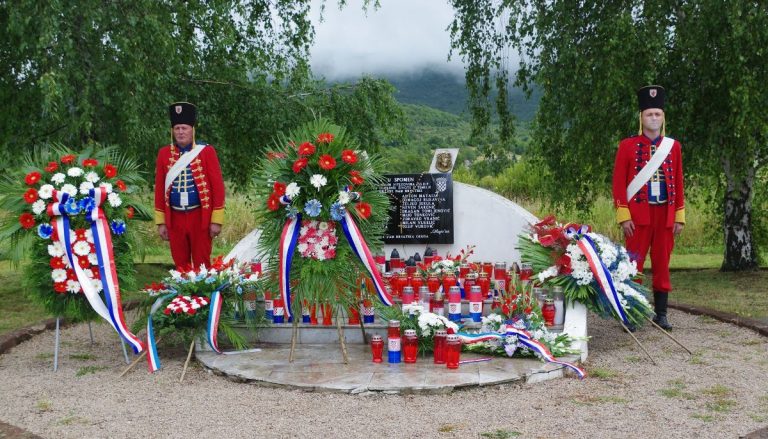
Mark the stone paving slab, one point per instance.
(319, 367)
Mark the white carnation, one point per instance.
(114, 200)
(89, 235)
(70, 189)
(73, 286)
(92, 177)
(318, 181)
(323, 226)
(81, 248)
(301, 247)
(93, 259)
(56, 250)
(46, 191)
(38, 207)
(58, 178)
(75, 172)
(175, 274)
(85, 187)
(59, 275)
(343, 197)
(292, 190)
(106, 186)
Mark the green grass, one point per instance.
(500, 434)
(745, 293)
(88, 370)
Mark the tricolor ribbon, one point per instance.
(603, 277)
(102, 241)
(288, 240)
(524, 338)
(360, 248)
(153, 360)
(214, 313)
(113, 311)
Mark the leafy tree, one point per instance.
(93, 71)
(588, 58)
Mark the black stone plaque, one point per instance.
(422, 209)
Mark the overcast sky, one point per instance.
(401, 36)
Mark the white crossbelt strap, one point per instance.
(182, 163)
(653, 164)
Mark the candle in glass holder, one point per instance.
(469, 282)
(368, 314)
(279, 311)
(485, 284)
(305, 312)
(454, 304)
(377, 348)
(313, 315)
(487, 268)
(402, 282)
(393, 341)
(410, 346)
(558, 297)
(439, 346)
(449, 280)
(500, 276)
(437, 305)
(269, 307)
(476, 303)
(433, 283)
(354, 316)
(394, 261)
(424, 297)
(548, 312)
(417, 281)
(327, 314)
(407, 295)
(463, 270)
(526, 271)
(452, 351)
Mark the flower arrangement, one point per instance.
(315, 185)
(180, 305)
(413, 316)
(89, 188)
(449, 265)
(590, 268)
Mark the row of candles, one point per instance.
(447, 347)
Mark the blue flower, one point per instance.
(117, 226)
(239, 290)
(337, 211)
(87, 204)
(44, 231)
(71, 207)
(313, 208)
(210, 280)
(291, 211)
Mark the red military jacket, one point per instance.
(633, 154)
(208, 179)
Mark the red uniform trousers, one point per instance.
(190, 242)
(660, 239)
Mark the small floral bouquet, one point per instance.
(185, 300)
(88, 196)
(590, 268)
(449, 265)
(322, 214)
(425, 323)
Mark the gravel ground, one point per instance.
(720, 392)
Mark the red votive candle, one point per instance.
(410, 346)
(439, 349)
(377, 348)
(452, 351)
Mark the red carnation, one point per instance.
(27, 220)
(90, 163)
(129, 212)
(121, 185)
(306, 148)
(327, 162)
(32, 178)
(96, 274)
(57, 263)
(279, 188)
(355, 177)
(349, 156)
(60, 287)
(192, 312)
(167, 311)
(52, 167)
(30, 196)
(83, 261)
(273, 202)
(505, 309)
(67, 159)
(299, 164)
(110, 171)
(527, 310)
(324, 138)
(363, 209)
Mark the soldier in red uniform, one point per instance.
(648, 194)
(189, 192)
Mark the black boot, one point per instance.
(660, 304)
